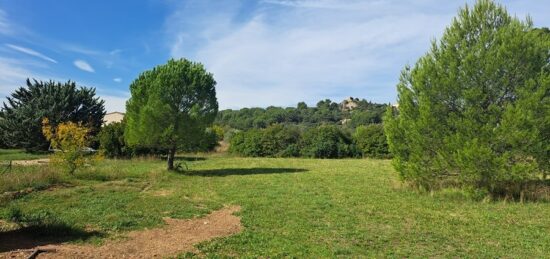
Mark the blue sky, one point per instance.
(264, 52)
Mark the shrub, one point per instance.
(326, 141)
(70, 141)
(371, 141)
(475, 108)
(111, 140)
(275, 141)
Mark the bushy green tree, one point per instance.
(475, 108)
(326, 141)
(274, 141)
(111, 140)
(170, 107)
(22, 114)
(371, 141)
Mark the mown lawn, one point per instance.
(298, 208)
(18, 154)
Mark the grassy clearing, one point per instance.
(297, 207)
(19, 154)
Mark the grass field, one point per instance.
(18, 154)
(296, 208)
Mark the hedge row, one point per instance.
(326, 141)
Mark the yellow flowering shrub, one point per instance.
(68, 140)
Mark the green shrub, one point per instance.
(111, 140)
(326, 141)
(476, 107)
(371, 141)
(275, 141)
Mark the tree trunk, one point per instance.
(171, 155)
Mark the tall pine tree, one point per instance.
(476, 109)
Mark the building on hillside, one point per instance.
(349, 104)
(113, 117)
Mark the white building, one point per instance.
(113, 117)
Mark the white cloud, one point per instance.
(4, 25)
(118, 79)
(31, 52)
(12, 75)
(83, 65)
(309, 50)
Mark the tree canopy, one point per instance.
(474, 109)
(22, 114)
(170, 107)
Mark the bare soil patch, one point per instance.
(178, 236)
(41, 161)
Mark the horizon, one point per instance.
(262, 53)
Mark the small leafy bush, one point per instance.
(371, 141)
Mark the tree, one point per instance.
(111, 140)
(170, 107)
(475, 108)
(371, 141)
(69, 139)
(326, 141)
(21, 117)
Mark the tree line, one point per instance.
(325, 112)
(324, 141)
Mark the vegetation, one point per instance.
(295, 208)
(326, 112)
(20, 154)
(170, 107)
(371, 141)
(70, 141)
(325, 141)
(474, 110)
(21, 117)
(111, 140)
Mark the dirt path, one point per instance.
(40, 161)
(178, 236)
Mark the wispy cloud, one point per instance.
(12, 75)
(4, 25)
(31, 52)
(118, 79)
(83, 65)
(311, 49)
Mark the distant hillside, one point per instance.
(351, 112)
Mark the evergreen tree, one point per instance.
(22, 114)
(475, 108)
(170, 107)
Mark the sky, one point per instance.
(261, 52)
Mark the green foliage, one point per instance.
(111, 140)
(325, 112)
(170, 107)
(327, 141)
(371, 141)
(274, 141)
(21, 117)
(474, 110)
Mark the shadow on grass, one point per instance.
(243, 171)
(39, 235)
(188, 158)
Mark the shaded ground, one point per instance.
(178, 236)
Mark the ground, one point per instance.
(18, 154)
(289, 207)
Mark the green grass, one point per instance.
(298, 208)
(19, 154)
